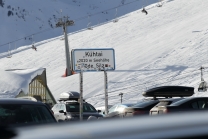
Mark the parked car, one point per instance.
(69, 108)
(117, 110)
(69, 111)
(102, 109)
(141, 108)
(20, 112)
(185, 105)
(163, 102)
(154, 95)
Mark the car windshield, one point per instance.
(128, 105)
(74, 107)
(145, 103)
(11, 114)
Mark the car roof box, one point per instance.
(71, 95)
(169, 91)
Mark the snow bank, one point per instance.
(13, 81)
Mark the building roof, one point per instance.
(13, 81)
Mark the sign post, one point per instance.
(93, 60)
(106, 91)
(81, 96)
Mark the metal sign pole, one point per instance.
(106, 91)
(81, 96)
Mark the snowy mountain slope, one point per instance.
(165, 47)
(34, 20)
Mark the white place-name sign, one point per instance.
(93, 59)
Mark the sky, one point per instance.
(165, 47)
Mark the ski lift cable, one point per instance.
(78, 19)
(135, 91)
(133, 86)
(148, 82)
(26, 37)
(144, 84)
(84, 17)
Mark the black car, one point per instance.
(163, 102)
(185, 105)
(21, 112)
(69, 111)
(141, 108)
(154, 95)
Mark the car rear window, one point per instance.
(168, 102)
(145, 103)
(128, 105)
(74, 107)
(177, 103)
(24, 114)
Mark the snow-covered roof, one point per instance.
(13, 81)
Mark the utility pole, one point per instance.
(121, 94)
(64, 22)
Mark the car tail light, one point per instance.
(138, 112)
(165, 110)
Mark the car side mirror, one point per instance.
(62, 111)
(98, 110)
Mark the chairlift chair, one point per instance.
(144, 11)
(9, 52)
(202, 86)
(143, 7)
(116, 19)
(33, 47)
(88, 25)
(160, 3)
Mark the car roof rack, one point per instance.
(69, 96)
(28, 98)
(169, 91)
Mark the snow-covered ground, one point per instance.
(165, 47)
